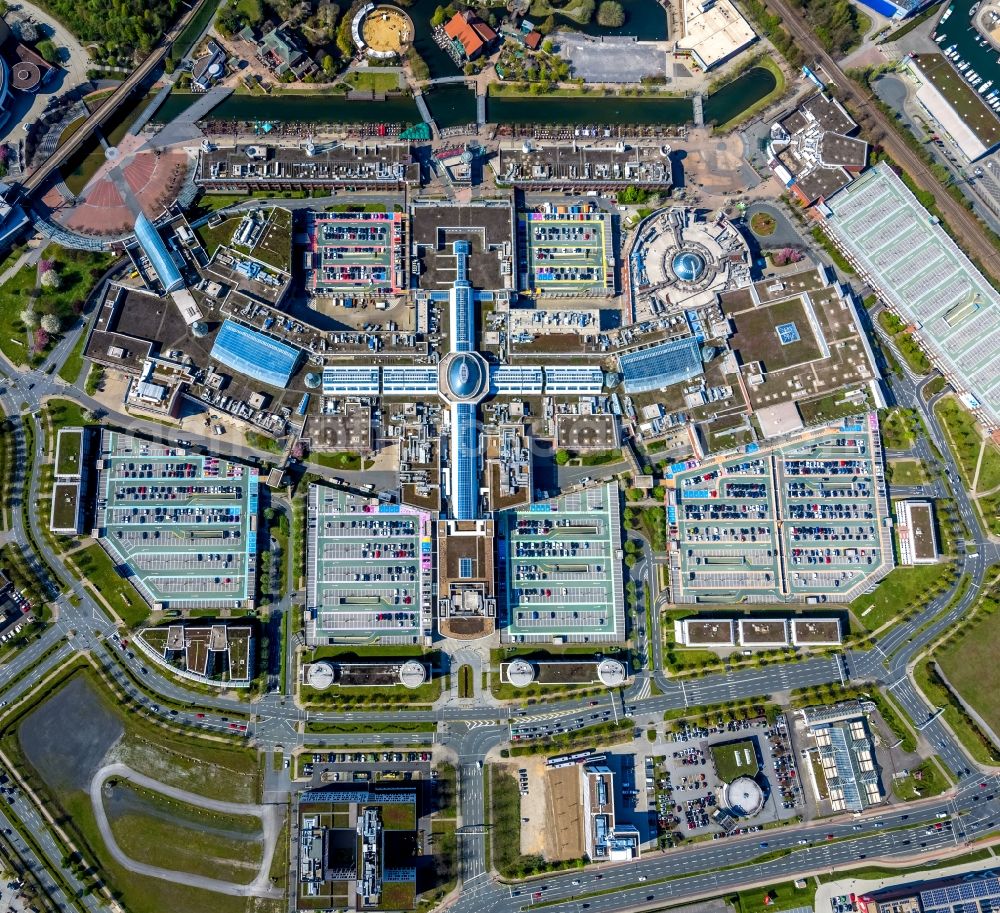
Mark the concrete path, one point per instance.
(270, 817)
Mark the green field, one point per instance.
(922, 782)
(99, 569)
(735, 759)
(969, 662)
(907, 472)
(965, 440)
(902, 590)
(59, 738)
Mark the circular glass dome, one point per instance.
(688, 266)
(465, 376)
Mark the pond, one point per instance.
(453, 105)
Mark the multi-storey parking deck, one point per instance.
(181, 526)
(370, 571)
(804, 521)
(567, 253)
(357, 254)
(560, 560)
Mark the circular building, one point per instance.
(744, 797)
(611, 673)
(688, 266)
(464, 377)
(680, 261)
(382, 31)
(412, 674)
(25, 76)
(319, 675)
(520, 673)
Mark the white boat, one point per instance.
(962, 67)
(985, 86)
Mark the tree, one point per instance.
(562, 457)
(48, 51)
(548, 46)
(439, 17)
(51, 280)
(51, 323)
(28, 317)
(328, 65)
(611, 14)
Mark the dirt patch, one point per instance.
(565, 813)
(68, 737)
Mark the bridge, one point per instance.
(40, 176)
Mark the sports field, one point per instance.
(181, 526)
(735, 759)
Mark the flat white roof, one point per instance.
(715, 34)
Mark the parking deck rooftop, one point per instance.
(356, 254)
(804, 521)
(567, 253)
(369, 571)
(182, 527)
(563, 575)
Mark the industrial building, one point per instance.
(915, 532)
(924, 277)
(713, 32)
(217, 652)
(69, 481)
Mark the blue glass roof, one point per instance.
(688, 266)
(244, 349)
(660, 365)
(463, 300)
(465, 376)
(153, 247)
(465, 462)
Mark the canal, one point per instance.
(454, 105)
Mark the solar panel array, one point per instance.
(965, 897)
(926, 278)
(574, 379)
(255, 354)
(513, 379)
(661, 365)
(350, 380)
(412, 379)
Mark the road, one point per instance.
(471, 732)
(962, 222)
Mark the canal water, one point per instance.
(959, 31)
(454, 105)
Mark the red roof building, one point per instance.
(473, 34)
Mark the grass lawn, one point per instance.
(68, 449)
(907, 472)
(214, 236)
(762, 224)
(372, 80)
(399, 817)
(965, 441)
(183, 760)
(465, 681)
(326, 728)
(873, 872)
(342, 460)
(580, 11)
(263, 442)
(99, 569)
(784, 896)
(976, 743)
(73, 365)
(969, 662)
(735, 759)
(923, 781)
(899, 429)
(78, 272)
(903, 589)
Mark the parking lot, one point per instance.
(558, 559)
(567, 252)
(184, 524)
(827, 492)
(356, 253)
(369, 569)
(337, 766)
(684, 789)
